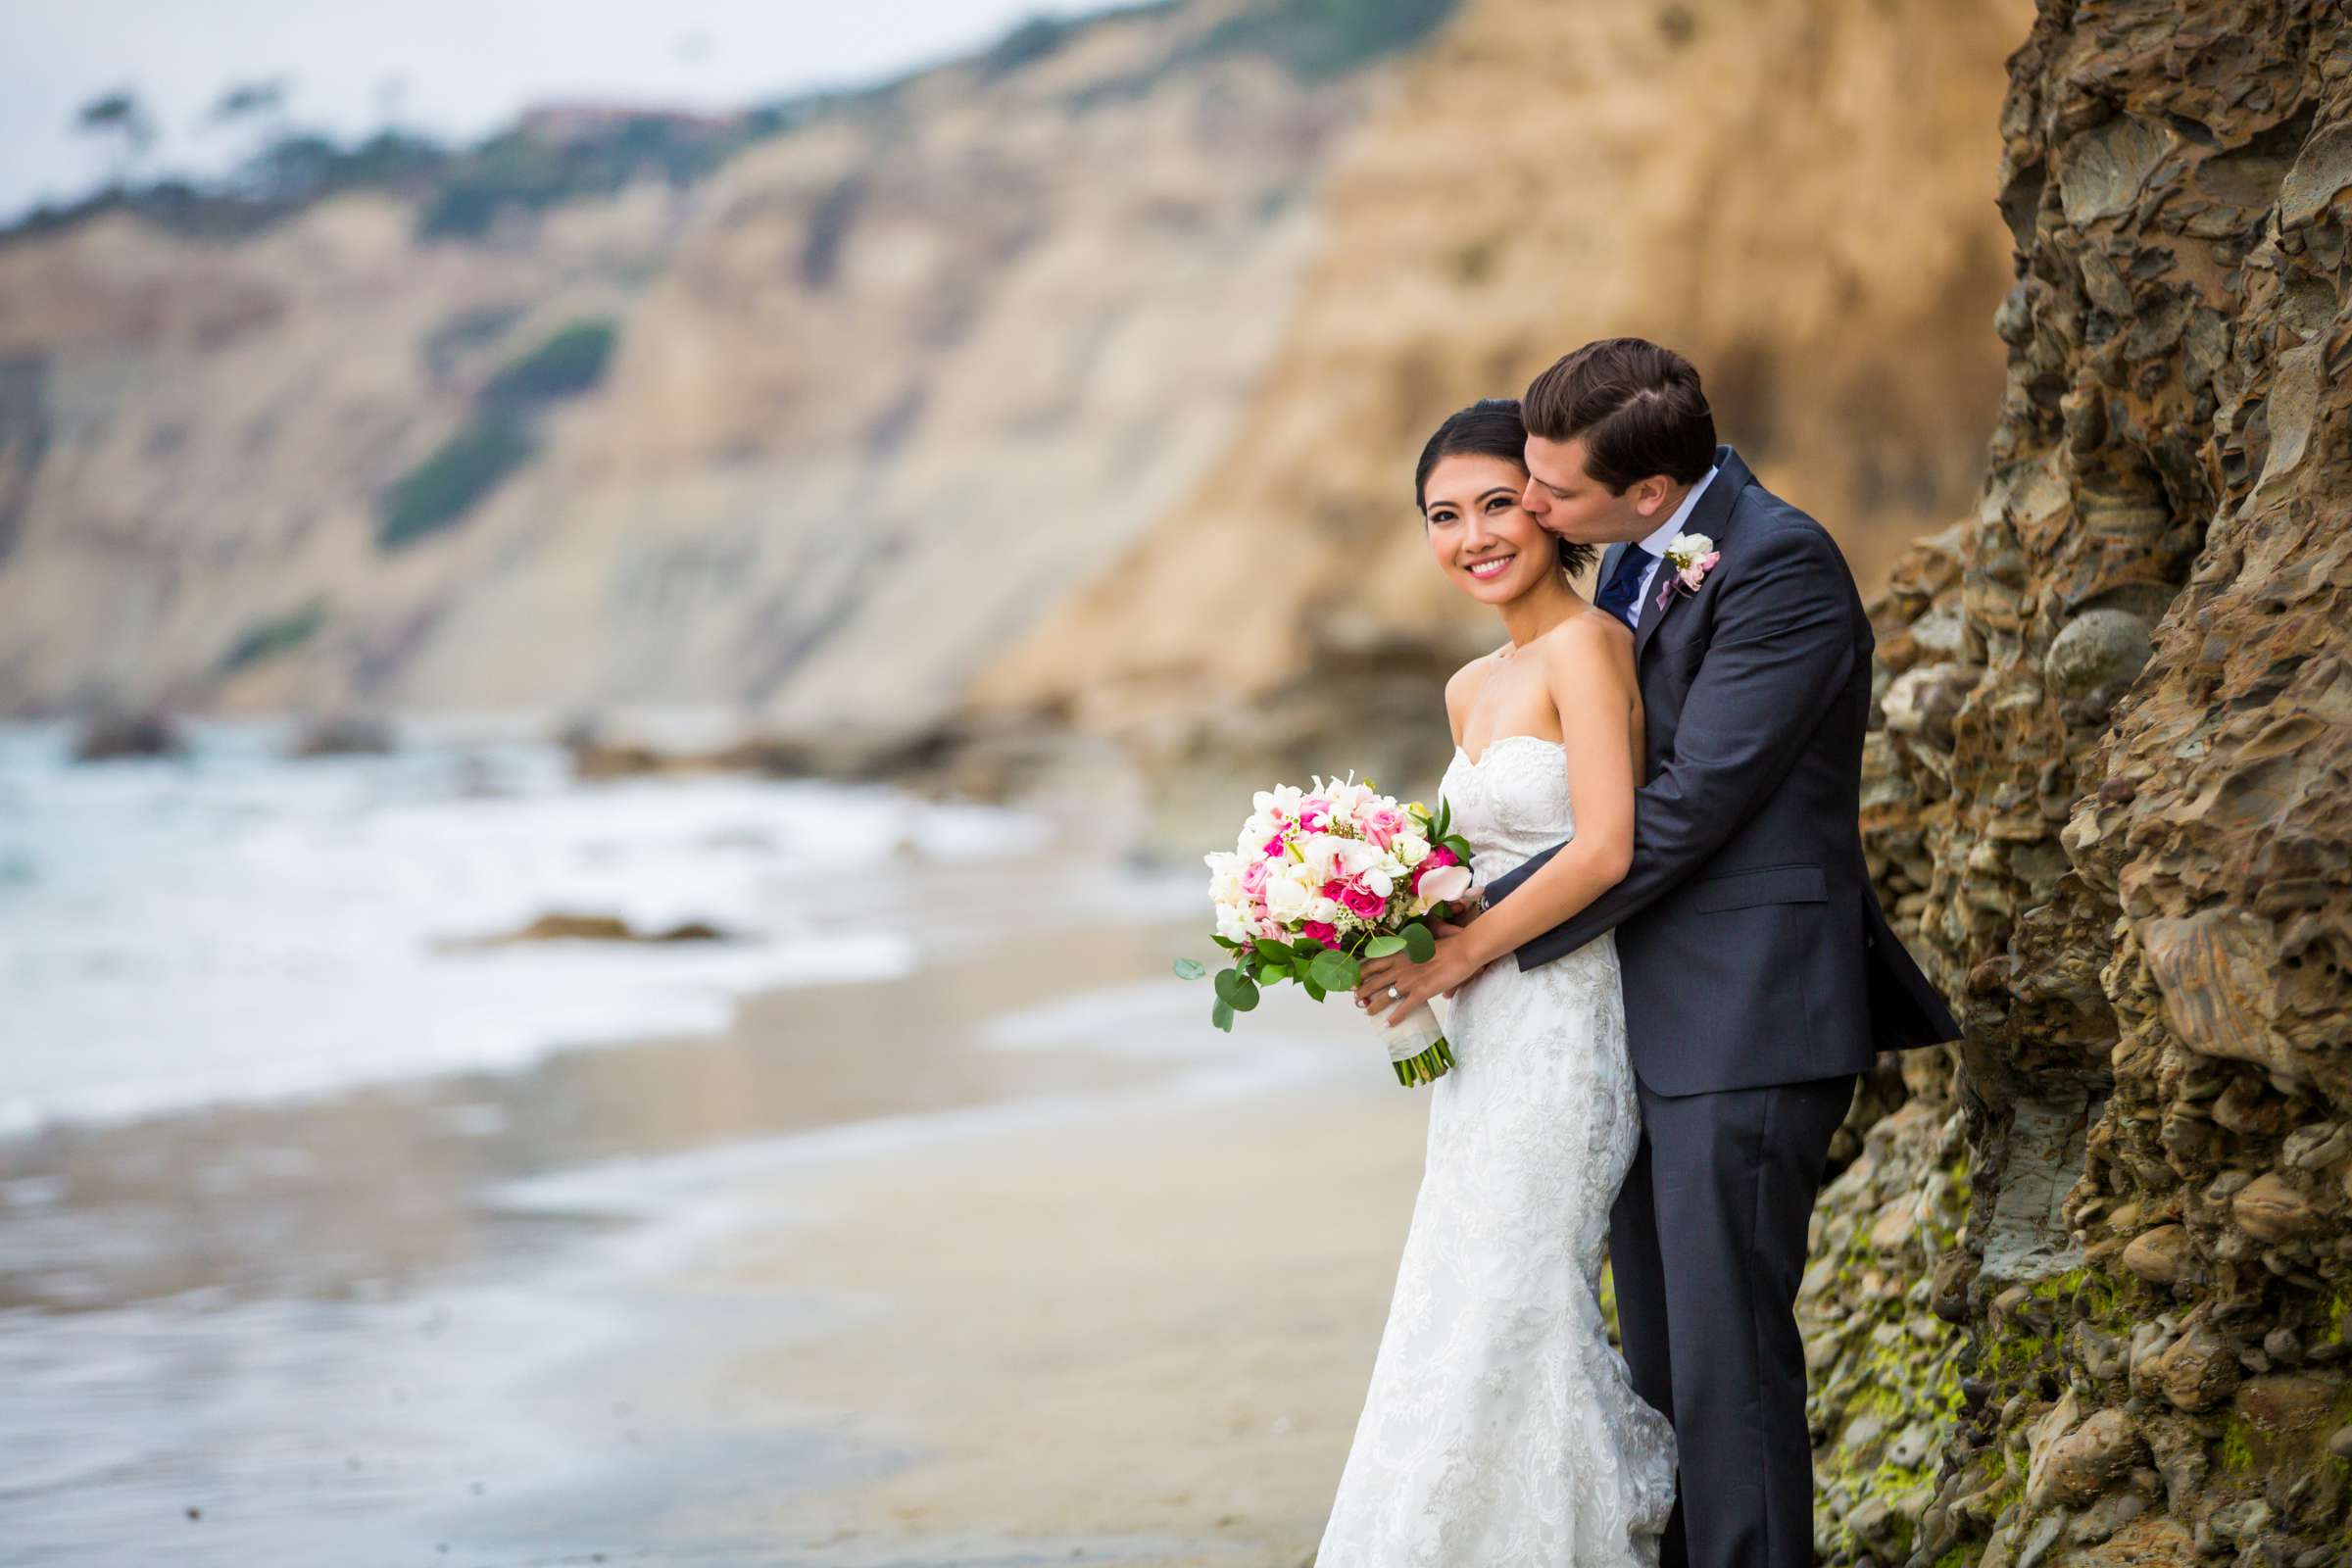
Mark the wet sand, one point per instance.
(1152, 1329)
(1010, 1262)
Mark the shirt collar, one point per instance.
(1657, 542)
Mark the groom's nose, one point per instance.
(1532, 501)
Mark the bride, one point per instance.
(1501, 1429)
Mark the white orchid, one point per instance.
(1685, 549)
(1446, 884)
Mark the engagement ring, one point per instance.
(1394, 992)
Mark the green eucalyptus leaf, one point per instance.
(1308, 947)
(1382, 947)
(1190, 968)
(1314, 991)
(1419, 944)
(1221, 1016)
(1243, 997)
(1333, 971)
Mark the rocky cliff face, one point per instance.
(1794, 192)
(2084, 1297)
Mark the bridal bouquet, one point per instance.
(1323, 877)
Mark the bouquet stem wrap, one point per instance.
(1416, 1046)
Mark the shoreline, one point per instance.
(984, 1265)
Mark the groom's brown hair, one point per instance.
(1638, 408)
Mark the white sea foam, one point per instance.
(237, 927)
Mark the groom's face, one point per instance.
(1569, 502)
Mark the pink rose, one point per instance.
(1382, 824)
(1314, 814)
(1254, 878)
(1322, 931)
(1437, 855)
(1363, 902)
(1274, 847)
(1336, 888)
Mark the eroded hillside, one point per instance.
(814, 435)
(1798, 194)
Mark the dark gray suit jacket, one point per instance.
(1752, 946)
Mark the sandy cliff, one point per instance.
(1005, 378)
(878, 389)
(1797, 194)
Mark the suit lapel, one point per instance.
(1713, 517)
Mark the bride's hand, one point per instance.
(1449, 969)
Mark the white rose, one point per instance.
(1287, 897)
(1325, 909)
(1410, 849)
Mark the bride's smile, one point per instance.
(1479, 531)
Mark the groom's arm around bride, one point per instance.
(1747, 899)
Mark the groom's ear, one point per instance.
(1649, 495)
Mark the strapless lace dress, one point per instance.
(1501, 1429)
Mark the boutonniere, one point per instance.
(1689, 557)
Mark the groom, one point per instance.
(1759, 974)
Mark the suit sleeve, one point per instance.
(1783, 648)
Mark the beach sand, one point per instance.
(1142, 1338)
(1010, 1261)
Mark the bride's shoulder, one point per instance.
(1595, 637)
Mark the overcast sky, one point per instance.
(452, 67)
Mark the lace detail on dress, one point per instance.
(1501, 1429)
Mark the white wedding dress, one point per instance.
(1501, 1430)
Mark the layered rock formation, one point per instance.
(2109, 806)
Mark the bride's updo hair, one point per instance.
(1491, 428)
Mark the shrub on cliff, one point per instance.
(566, 365)
(1318, 39)
(447, 485)
(272, 635)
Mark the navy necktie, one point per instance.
(1618, 593)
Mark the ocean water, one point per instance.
(235, 926)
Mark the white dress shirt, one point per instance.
(1657, 542)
